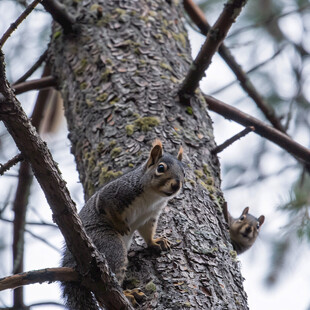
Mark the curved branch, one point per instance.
(38, 276)
(271, 134)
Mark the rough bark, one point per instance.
(119, 78)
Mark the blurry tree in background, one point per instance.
(271, 43)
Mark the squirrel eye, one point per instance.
(242, 218)
(161, 168)
(257, 226)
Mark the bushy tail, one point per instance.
(78, 297)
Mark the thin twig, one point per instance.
(214, 39)
(31, 223)
(47, 303)
(199, 19)
(14, 25)
(8, 165)
(256, 179)
(59, 14)
(43, 240)
(38, 276)
(270, 133)
(269, 20)
(248, 72)
(44, 82)
(231, 140)
(33, 68)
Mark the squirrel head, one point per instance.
(164, 173)
(245, 229)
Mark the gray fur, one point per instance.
(119, 196)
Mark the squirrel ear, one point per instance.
(261, 220)
(245, 211)
(180, 154)
(156, 153)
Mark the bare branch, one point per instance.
(21, 202)
(247, 72)
(269, 19)
(90, 262)
(47, 303)
(20, 208)
(38, 276)
(8, 165)
(214, 38)
(18, 21)
(233, 139)
(271, 134)
(33, 68)
(198, 18)
(44, 82)
(59, 14)
(31, 223)
(42, 240)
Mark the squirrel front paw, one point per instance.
(160, 244)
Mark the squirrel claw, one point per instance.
(160, 244)
(134, 296)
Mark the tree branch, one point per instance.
(30, 223)
(271, 134)
(199, 19)
(44, 82)
(214, 38)
(8, 165)
(90, 263)
(33, 68)
(21, 202)
(20, 208)
(233, 139)
(38, 276)
(222, 88)
(59, 14)
(18, 21)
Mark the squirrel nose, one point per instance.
(248, 229)
(175, 186)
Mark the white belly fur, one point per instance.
(143, 208)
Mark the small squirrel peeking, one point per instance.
(131, 202)
(244, 230)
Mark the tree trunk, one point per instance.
(119, 78)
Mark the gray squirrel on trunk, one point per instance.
(131, 202)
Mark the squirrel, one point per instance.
(131, 202)
(243, 230)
